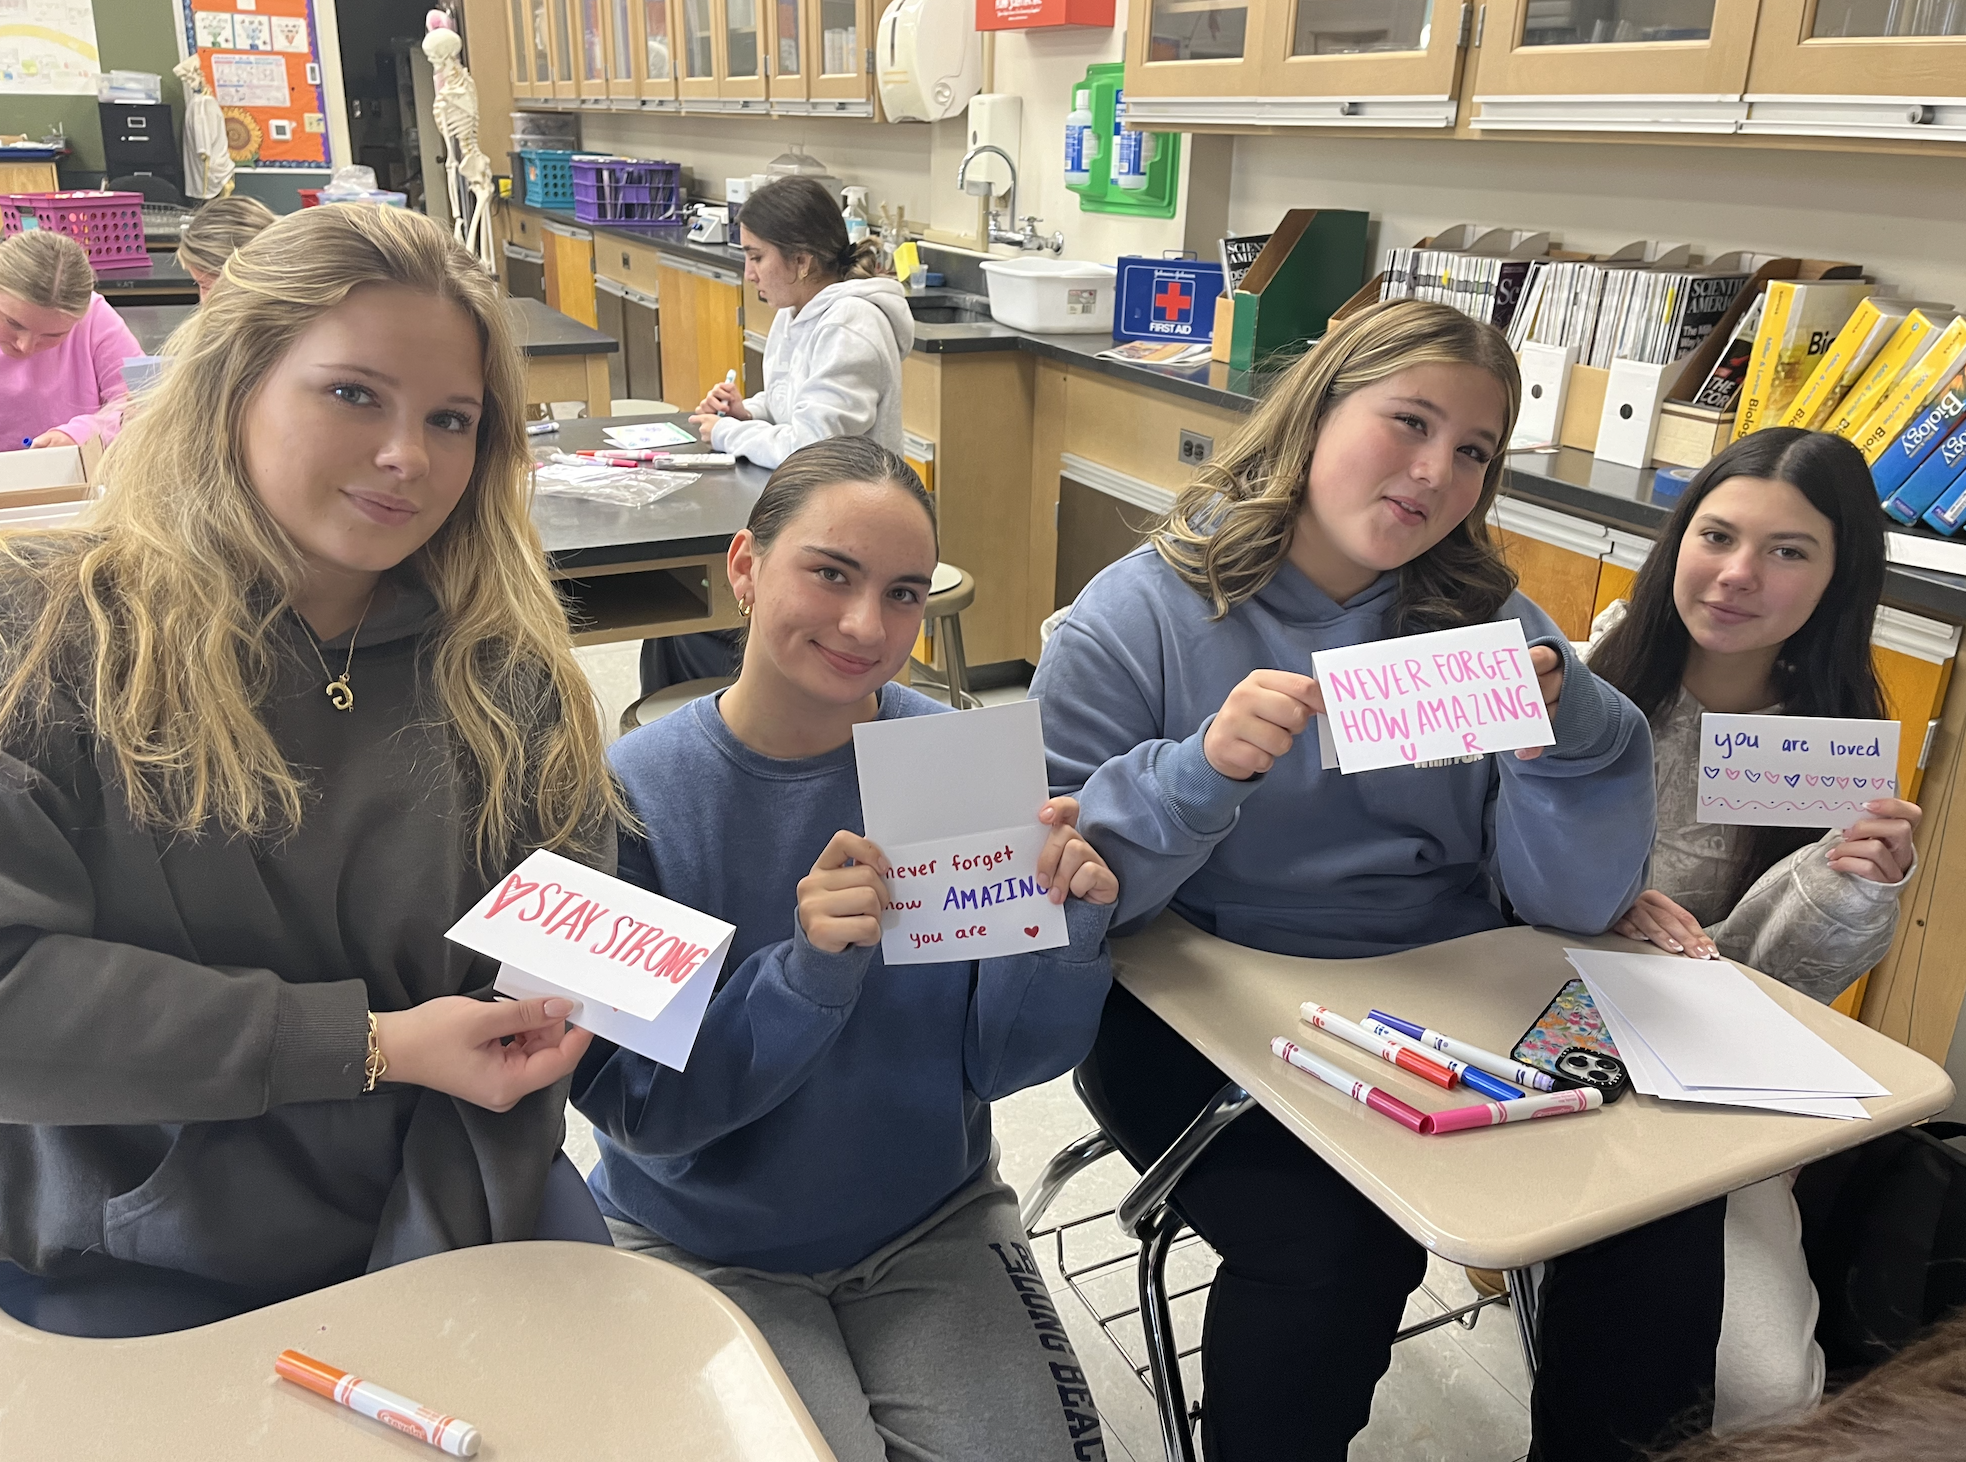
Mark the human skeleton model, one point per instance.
(207, 158)
(455, 110)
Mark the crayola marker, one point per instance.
(1472, 1077)
(1487, 1061)
(446, 1433)
(1362, 1092)
(1350, 1031)
(1528, 1109)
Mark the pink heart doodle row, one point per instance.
(1880, 784)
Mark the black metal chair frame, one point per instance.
(1147, 1215)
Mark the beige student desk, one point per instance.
(1499, 1197)
(551, 1350)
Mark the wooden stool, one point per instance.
(950, 593)
(655, 706)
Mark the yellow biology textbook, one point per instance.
(1798, 324)
(1918, 385)
(1856, 345)
(1907, 342)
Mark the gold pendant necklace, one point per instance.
(341, 695)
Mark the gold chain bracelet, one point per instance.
(375, 1068)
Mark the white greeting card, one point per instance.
(1794, 771)
(1451, 693)
(627, 955)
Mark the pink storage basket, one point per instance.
(108, 225)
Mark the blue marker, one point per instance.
(1474, 1056)
(1473, 1078)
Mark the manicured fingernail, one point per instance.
(558, 1009)
(1675, 946)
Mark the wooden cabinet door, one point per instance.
(518, 44)
(741, 43)
(1364, 63)
(1557, 560)
(1196, 48)
(624, 45)
(655, 58)
(785, 59)
(1859, 68)
(696, 55)
(1913, 657)
(589, 33)
(564, 42)
(570, 272)
(701, 335)
(839, 56)
(1665, 66)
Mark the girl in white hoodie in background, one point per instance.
(833, 358)
(832, 369)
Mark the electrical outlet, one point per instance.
(1196, 448)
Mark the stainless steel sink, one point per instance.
(932, 312)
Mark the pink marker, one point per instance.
(1363, 1092)
(1524, 1109)
(608, 459)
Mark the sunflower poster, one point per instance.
(262, 60)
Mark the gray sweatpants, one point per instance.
(942, 1346)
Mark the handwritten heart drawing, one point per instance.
(1809, 779)
(1733, 774)
(1754, 776)
(515, 889)
(1863, 781)
(1842, 781)
(1032, 930)
(1792, 778)
(1711, 772)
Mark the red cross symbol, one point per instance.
(1173, 299)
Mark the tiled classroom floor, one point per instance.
(1451, 1395)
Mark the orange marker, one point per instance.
(447, 1433)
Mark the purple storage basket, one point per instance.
(627, 190)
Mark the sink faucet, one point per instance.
(1029, 238)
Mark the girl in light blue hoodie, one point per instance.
(1352, 508)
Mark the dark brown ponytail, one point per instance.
(797, 216)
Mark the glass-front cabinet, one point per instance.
(623, 46)
(785, 64)
(1341, 63)
(1674, 66)
(839, 56)
(560, 22)
(655, 66)
(696, 58)
(1892, 69)
(590, 48)
(518, 45)
(741, 78)
(1194, 50)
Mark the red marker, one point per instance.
(446, 1433)
(1402, 1056)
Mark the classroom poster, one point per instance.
(48, 48)
(261, 59)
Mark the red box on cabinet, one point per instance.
(1042, 14)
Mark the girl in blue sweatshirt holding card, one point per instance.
(1176, 694)
(826, 1159)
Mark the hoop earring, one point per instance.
(744, 609)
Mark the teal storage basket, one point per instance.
(549, 179)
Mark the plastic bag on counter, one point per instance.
(564, 475)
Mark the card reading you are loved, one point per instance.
(952, 801)
(1420, 698)
(1794, 771)
(641, 967)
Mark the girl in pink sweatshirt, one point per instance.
(61, 346)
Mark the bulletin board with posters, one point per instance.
(262, 60)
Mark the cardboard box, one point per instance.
(1689, 435)
(1583, 407)
(44, 476)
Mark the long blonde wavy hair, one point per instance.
(1229, 531)
(159, 609)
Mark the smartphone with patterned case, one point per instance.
(1569, 1040)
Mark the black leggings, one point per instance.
(1314, 1278)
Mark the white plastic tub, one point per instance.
(1051, 296)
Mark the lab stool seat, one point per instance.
(656, 705)
(950, 592)
(637, 406)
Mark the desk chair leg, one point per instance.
(1522, 1304)
(1066, 1164)
(951, 631)
(1163, 1355)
